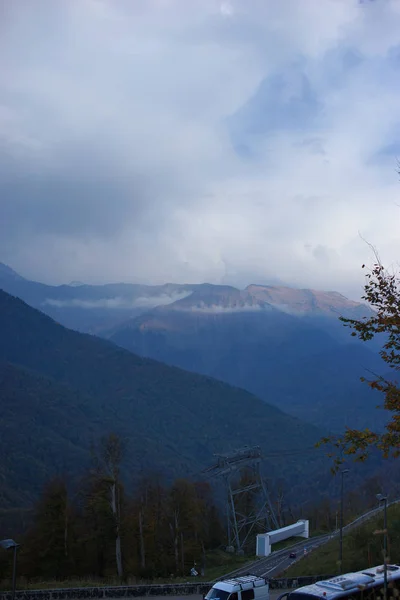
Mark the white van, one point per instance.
(248, 587)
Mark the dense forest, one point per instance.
(61, 389)
(98, 531)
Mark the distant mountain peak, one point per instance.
(7, 272)
(298, 302)
(215, 299)
(305, 301)
(75, 284)
(96, 308)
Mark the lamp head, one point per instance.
(7, 544)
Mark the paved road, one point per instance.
(279, 561)
(279, 564)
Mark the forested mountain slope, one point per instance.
(64, 388)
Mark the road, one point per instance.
(273, 565)
(279, 561)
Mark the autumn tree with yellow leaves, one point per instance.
(382, 293)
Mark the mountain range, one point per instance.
(285, 345)
(98, 308)
(61, 389)
(185, 371)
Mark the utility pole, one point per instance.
(382, 498)
(14, 577)
(343, 473)
(8, 545)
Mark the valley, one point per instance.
(286, 346)
(70, 387)
(210, 370)
(199, 292)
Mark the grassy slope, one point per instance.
(361, 549)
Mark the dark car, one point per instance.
(292, 555)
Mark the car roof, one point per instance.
(244, 582)
(343, 584)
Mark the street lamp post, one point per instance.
(8, 545)
(383, 499)
(343, 473)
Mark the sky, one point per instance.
(228, 141)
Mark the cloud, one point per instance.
(226, 9)
(173, 141)
(118, 302)
(216, 309)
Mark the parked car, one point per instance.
(247, 587)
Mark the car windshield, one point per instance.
(214, 593)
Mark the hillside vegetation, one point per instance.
(285, 345)
(287, 361)
(62, 389)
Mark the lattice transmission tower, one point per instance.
(242, 521)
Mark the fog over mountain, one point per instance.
(285, 345)
(230, 142)
(98, 308)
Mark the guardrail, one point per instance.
(180, 589)
(87, 593)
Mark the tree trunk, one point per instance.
(66, 530)
(182, 554)
(118, 557)
(175, 538)
(203, 559)
(142, 548)
(115, 507)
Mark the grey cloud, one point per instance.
(116, 128)
(85, 190)
(80, 162)
(118, 302)
(217, 309)
(70, 201)
(282, 102)
(112, 303)
(323, 254)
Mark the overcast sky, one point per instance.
(237, 141)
